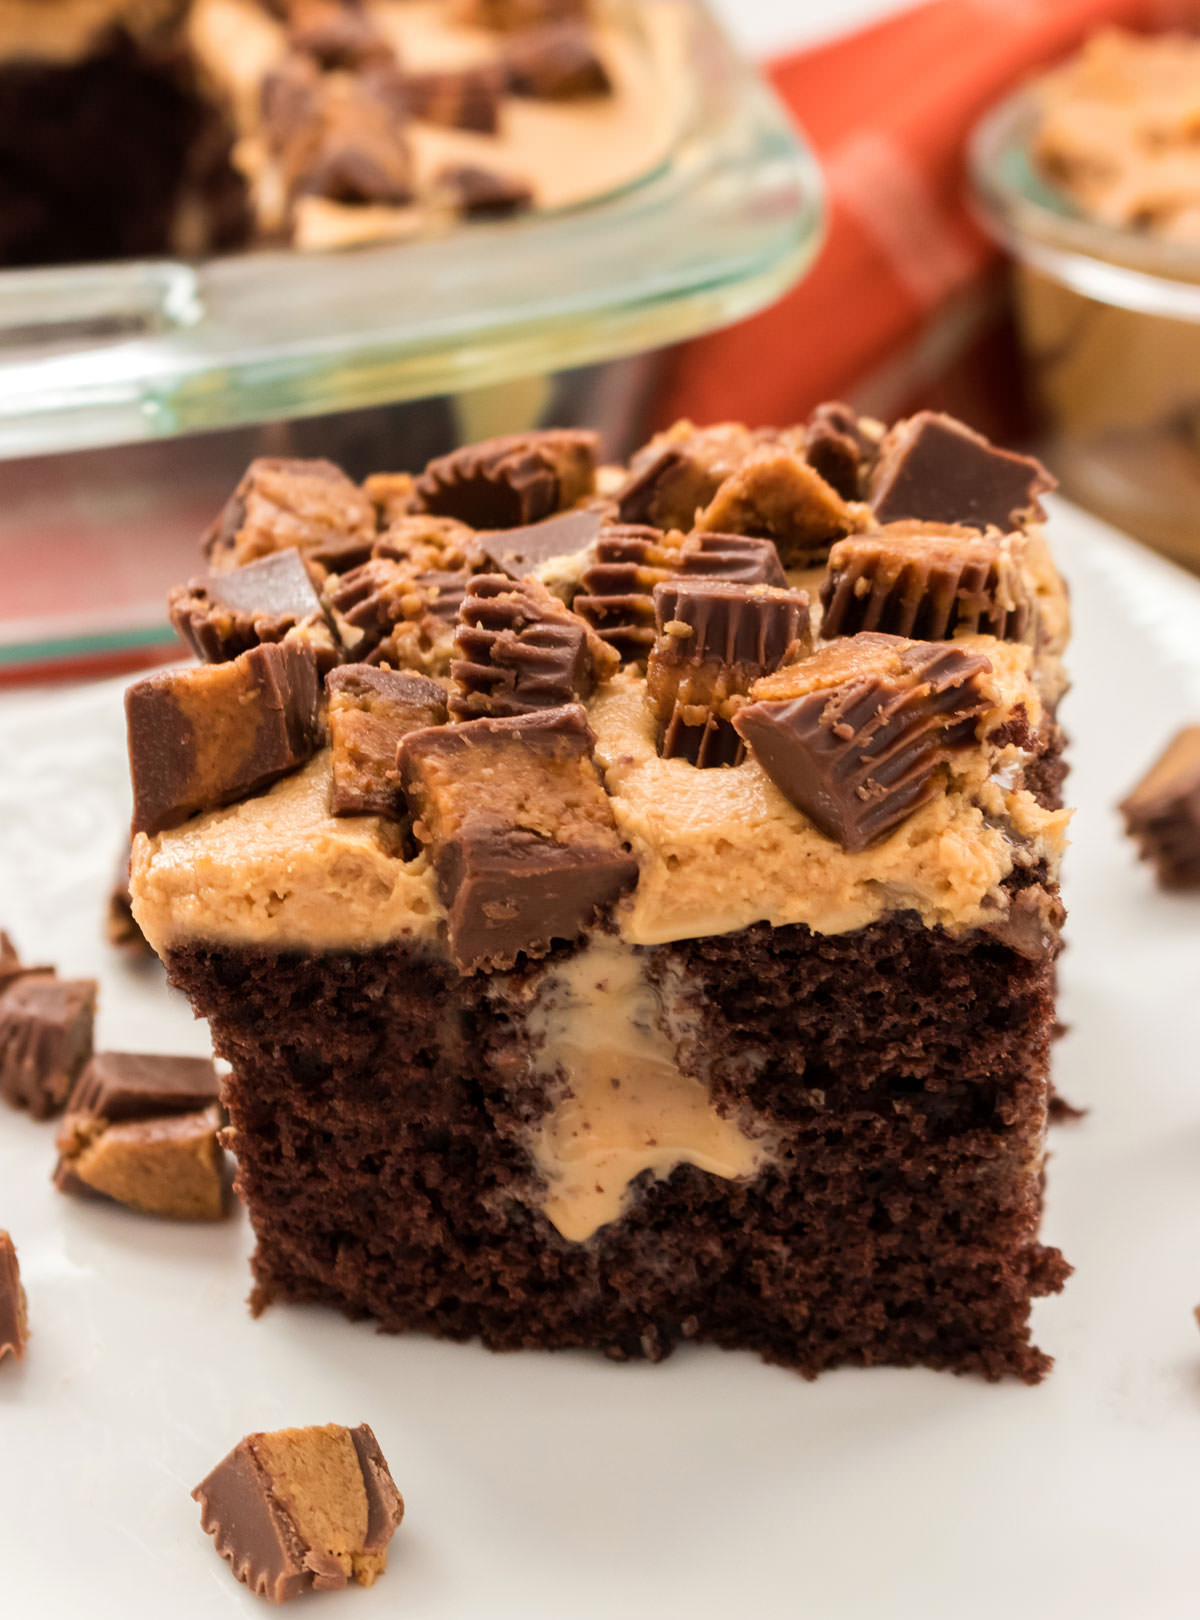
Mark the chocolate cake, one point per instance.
(142, 127)
(634, 944)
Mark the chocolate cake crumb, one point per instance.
(302, 1510)
(14, 1307)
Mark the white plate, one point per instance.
(563, 1487)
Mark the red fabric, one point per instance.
(888, 110)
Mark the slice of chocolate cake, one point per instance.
(692, 983)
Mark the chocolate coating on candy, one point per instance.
(840, 445)
(508, 482)
(1162, 814)
(936, 469)
(557, 62)
(742, 559)
(370, 710)
(679, 472)
(45, 1039)
(280, 503)
(221, 615)
(14, 1318)
(465, 98)
(302, 1510)
(483, 193)
(520, 831)
(140, 1085)
(199, 738)
(856, 735)
(517, 552)
(520, 650)
(714, 641)
(928, 583)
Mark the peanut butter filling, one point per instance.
(626, 1108)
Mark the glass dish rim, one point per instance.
(739, 158)
(1040, 227)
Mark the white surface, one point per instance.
(779, 25)
(566, 1488)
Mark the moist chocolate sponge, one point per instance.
(382, 1110)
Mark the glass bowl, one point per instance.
(1109, 323)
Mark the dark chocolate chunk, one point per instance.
(714, 641)
(337, 34)
(928, 583)
(679, 472)
(519, 650)
(460, 98)
(856, 736)
(510, 482)
(169, 1165)
(617, 589)
(557, 62)
(11, 966)
(281, 503)
(199, 738)
(517, 552)
(841, 448)
(936, 469)
(302, 1510)
(741, 559)
(520, 830)
(221, 615)
(1162, 814)
(45, 1040)
(483, 193)
(14, 1317)
(120, 925)
(776, 494)
(370, 710)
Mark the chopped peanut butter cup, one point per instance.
(776, 495)
(482, 193)
(464, 98)
(370, 710)
(342, 136)
(302, 1510)
(14, 1313)
(557, 62)
(842, 447)
(336, 33)
(1162, 814)
(518, 552)
(168, 1165)
(519, 649)
(520, 829)
(199, 738)
(680, 471)
(934, 468)
(221, 615)
(856, 735)
(714, 641)
(505, 483)
(11, 966)
(45, 1039)
(929, 583)
(282, 503)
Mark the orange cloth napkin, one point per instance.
(888, 110)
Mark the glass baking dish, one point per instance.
(114, 353)
(1109, 324)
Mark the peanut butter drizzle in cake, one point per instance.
(626, 1107)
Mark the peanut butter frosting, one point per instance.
(717, 850)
